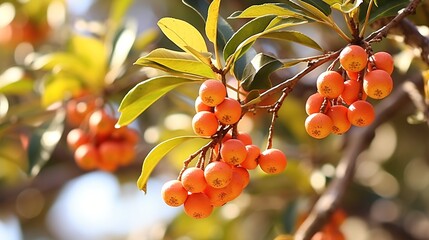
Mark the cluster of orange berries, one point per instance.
(341, 102)
(96, 143)
(201, 188)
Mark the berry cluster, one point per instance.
(340, 102)
(223, 178)
(96, 143)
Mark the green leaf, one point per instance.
(122, 44)
(258, 71)
(278, 9)
(253, 97)
(293, 36)
(212, 19)
(144, 94)
(182, 34)
(43, 142)
(317, 4)
(177, 61)
(345, 7)
(248, 30)
(292, 62)
(156, 154)
(386, 8)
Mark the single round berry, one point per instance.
(251, 161)
(382, 61)
(193, 180)
(173, 193)
(86, 156)
(218, 174)
(110, 155)
(351, 91)
(245, 138)
(272, 161)
(233, 151)
(78, 109)
(229, 111)
(244, 175)
(77, 137)
(212, 92)
(318, 125)
(219, 196)
(198, 206)
(361, 113)
(330, 84)
(377, 84)
(101, 124)
(338, 115)
(128, 153)
(353, 58)
(205, 123)
(314, 103)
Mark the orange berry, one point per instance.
(229, 111)
(351, 91)
(377, 84)
(200, 106)
(361, 113)
(353, 58)
(330, 84)
(205, 123)
(126, 134)
(193, 180)
(233, 151)
(272, 161)
(245, 138)
(338, 115)
(86, 156)
(78, 110)
(128, 153)
(244, 175)
(218, 196)
(382, 61)
(218, 174)
(236, 186)
(318, 125)
(77, 137)
(101, 124)
(173, 193)
(251, 161)
(110, 155)
(314, 103)
(198, 206)
(212, 92)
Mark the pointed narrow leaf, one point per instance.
(386, 8)
(345, 7)
(320, 5)
(43, 141)
(182, 34)
(258, 71)
(177, 61)
(292, 62)
(278, 9)
(156, 154)
(293, 36)
(212, 19)
(144, 94)
(319, 13)
(203, 57)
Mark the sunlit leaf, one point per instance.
(122, 44)
(312, 5)
(203, 57)
(43, 141)
(212, 19)
(59, 88)
(13, 81)
(144, 94)
(177, 61)
(345, 7)
(278, 9)
(258, 71)
(118, 9)
(182, 34)
(62, 62)
(292, 62)
(156, 154)
(293, 36)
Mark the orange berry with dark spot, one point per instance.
(173, 193)
(361, 113)
(382, 61)
(200, 106)
(233, 151)
(377, 84)
(205, 123)
(351, 91)
(218, 196)
(272, 161)
(218, 174)
(314, 103)
(229, 111)
(318, 125)
(193, 180)
(251, 161)
(212, 92)
(338, 115)
(198, 205)
(330, 84)
(353, 58)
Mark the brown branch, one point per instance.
(361, 138)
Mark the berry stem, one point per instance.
(275, 109)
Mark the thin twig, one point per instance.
(275, 111)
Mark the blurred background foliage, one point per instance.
(52, 49)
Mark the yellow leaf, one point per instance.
(212, 18)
